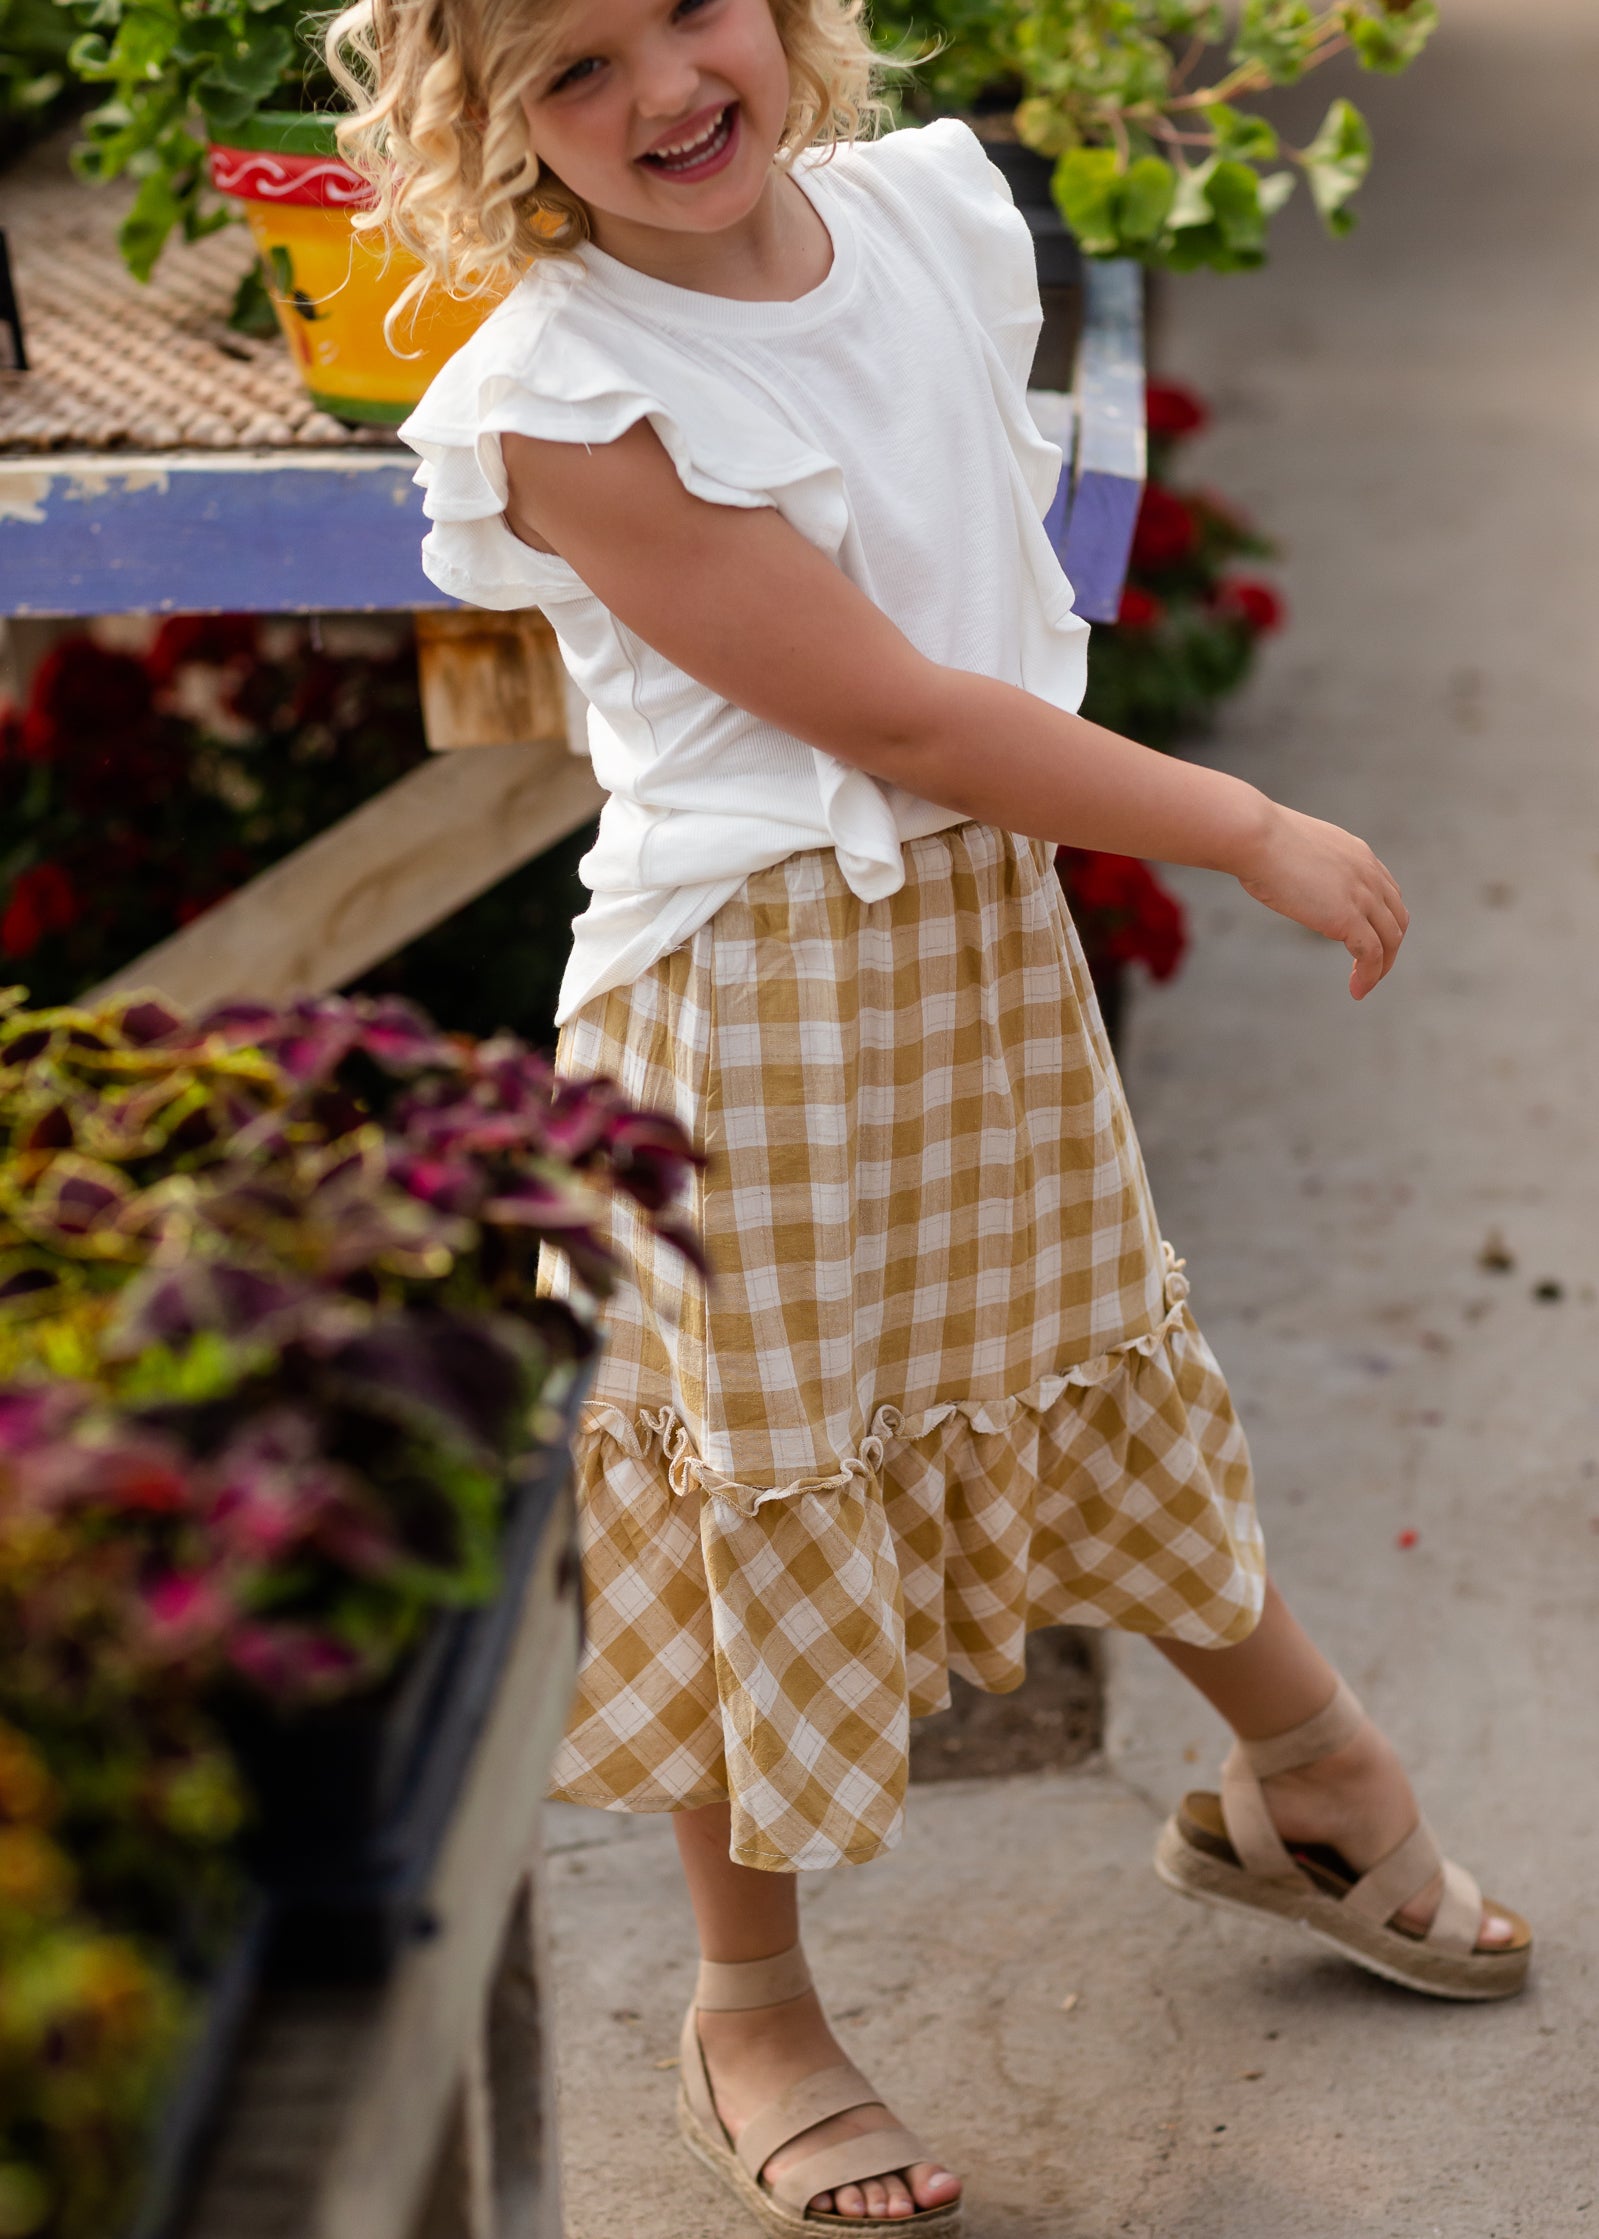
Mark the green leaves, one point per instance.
(1279, 37)
(238, 65)
(1336, 162)
(176, 71)
(1390, 39)
(1113, 211)
(1143, 106)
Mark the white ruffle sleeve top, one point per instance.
(884, 415)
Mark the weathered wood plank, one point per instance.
(360, 890)
(205, 532)
(491, 679)
(521, 2080)
(1112, 457)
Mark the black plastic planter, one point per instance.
(354, 1800)
(194, 2099)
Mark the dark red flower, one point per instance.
(199, 640)
(1166, 533)
(1139, 609)
(1171, 411)
(82, 693)
(42, 901)
(1122, 911)
(1255, 604)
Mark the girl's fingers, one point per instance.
(1390, 932)
(1365, 946)
(1374, 946)
(1391, 894)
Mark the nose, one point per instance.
(665, 83)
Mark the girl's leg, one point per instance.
(1359, 1800)
(752, 2057)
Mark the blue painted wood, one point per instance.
(1111, 459)
(1055, 417)
(197, 533)
(329, 531)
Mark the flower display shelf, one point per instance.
(355, 1799)
(421, 2099)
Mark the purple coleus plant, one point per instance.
(269, 1283)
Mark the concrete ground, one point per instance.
(1416, 413)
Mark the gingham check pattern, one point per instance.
(945, 1388)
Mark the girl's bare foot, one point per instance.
(1359, 1803)
(754, 2056)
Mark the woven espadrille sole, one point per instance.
(790, 2223)
(1384, 1951)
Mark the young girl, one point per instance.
(752, 430)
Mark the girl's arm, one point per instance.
(739, 600)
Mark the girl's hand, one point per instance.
(1323, 877)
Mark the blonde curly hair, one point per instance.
(440, 134)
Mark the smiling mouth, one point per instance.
(704, 148)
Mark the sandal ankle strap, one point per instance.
(737, 1986)
(1332, 1729)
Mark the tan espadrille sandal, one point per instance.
(781, 2205)
(1224, 1850)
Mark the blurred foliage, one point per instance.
(171, 73)
(271, 1355)
(1144, 107)
(37, 89)
(138, 787)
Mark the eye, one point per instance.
(575, 74)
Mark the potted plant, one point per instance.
(235, 98)
(1133, 116)
(1191, 620)
(278, 1401)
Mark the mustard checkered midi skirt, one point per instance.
(945, 1386)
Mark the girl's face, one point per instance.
(664, 113)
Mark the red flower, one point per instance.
(83, 693)
(1256, 605)
(1166, 533)
(199, 640)
(1139, 610)
(42, 901)
(1171, 411)
(1124, 914)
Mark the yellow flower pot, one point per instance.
(331, 287)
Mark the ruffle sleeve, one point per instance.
(943, 170)
(547, 364)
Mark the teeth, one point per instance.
(691, 147)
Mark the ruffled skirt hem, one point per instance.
(768, 1645)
